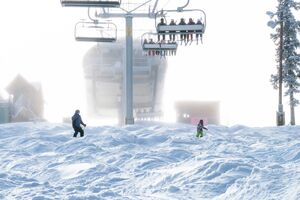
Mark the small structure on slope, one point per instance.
(191, 112)
(27, 102)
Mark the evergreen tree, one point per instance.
(284, 18)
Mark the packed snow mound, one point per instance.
(149, 161)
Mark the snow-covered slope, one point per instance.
(149, 161)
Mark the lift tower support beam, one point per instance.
(128, 70)
(128, 80)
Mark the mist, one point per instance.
(233, 65)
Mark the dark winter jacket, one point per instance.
(76, 120)
(200, 128)
(191, 22)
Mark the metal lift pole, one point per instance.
(128, 80)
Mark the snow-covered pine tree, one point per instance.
(289, 46)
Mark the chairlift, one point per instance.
(95, 31)
(180, 29)
(91, 3)
(160, 48)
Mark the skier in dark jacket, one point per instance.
(76, 121)
(200, 128)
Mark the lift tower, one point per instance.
(128, 15)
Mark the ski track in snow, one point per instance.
(149, 161)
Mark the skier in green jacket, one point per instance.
(200, 128)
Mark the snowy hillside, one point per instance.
(151, 161)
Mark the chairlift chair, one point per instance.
(160, 46)
(156, 46)
(91, 3)
(178, 29)
(95, 31)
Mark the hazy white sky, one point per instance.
(233, 65)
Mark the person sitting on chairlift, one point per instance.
(172, 52)
(183, 32)
(191, 32)
(199, 32)
(151, 51)
(145, 42)
(163, 53)
(161, 23)
(172, 36)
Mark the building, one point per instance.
(4, 111)
(192, 111)
(27, 100)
